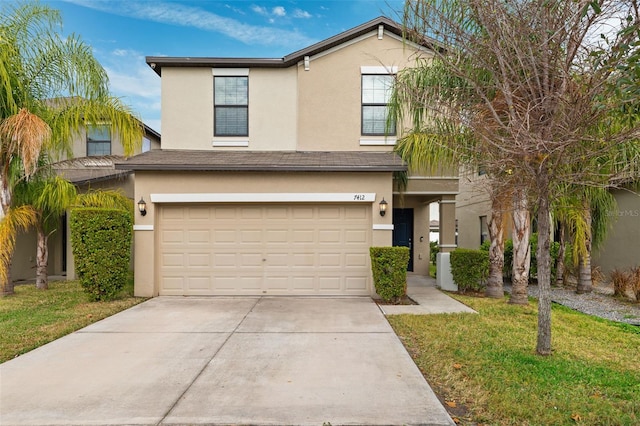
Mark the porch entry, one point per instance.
(403, 231)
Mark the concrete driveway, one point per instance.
(264, 361)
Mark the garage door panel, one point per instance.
(329, 236)
(303, 236)
(355, 283)
(355, 260)
(175, 260)
(329, 212)
(198, 236)
(224, 236)
(169, 236)
(198, 260)
(197, 283)
(329, 283)
(258, 249)
(303, 260)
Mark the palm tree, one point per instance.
(49, 197)
(51, 86)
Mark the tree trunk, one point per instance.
(561, 254)
(521, 248)
(42, 261)
(7, 288)
(496, 251)
(544, 276)
(585, 283)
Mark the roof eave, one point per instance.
(251, 168)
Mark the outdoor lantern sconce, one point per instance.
(383, 207)
(142, 207)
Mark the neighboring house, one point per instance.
(619, 250)
(273, 172)
(91, 167)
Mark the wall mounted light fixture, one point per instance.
(142, 207)
(383, 207)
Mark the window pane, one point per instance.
(374, 121)
(98, 133)
(376, 89)
(98, 148)
(98, 140)
(231, 90)
(231, 121)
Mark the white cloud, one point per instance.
(279, 11)
(298, 13)
(260, 10)
(196, 17)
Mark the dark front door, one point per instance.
(403, 231)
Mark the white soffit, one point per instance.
(281, 197)
(230, 72)
(379, 69)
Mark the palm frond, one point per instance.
(16, 220)
(108, 199)
(24, 134)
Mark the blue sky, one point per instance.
(123, 32)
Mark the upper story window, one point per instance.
(376, 92)
(98, 140)
(231, 106)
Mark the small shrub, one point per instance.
(621, 280)
(635, 282)
(389, 268)
(470, 269)
(434, 249)
(101, 243)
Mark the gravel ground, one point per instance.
(599, 303)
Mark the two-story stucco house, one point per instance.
(276, 175)
(91, 167)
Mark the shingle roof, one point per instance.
(334, 161)
(157, 62)
(84, 170)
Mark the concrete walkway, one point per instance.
(430, 300)
(263, 361)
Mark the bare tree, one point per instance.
(540, 91)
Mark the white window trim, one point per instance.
(382, 227)
(230, 143)
(230, 72)
(278, 197)
(379, 70)
(371, 141)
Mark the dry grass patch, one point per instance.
(487, 363)
(31, 317)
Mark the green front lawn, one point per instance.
(485, 368)
(31, 318)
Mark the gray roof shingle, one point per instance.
(307, 161)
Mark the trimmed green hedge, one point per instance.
(470, 269)
(507, 270)
(389, 267)
(101, 243)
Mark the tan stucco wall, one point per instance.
(330, 92)
(289, 108)
(148, 183)
(621, 249)
(472, 202)
(187, 109)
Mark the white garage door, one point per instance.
(258, 249)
